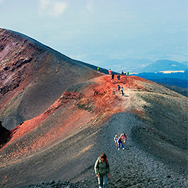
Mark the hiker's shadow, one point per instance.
(125, 95)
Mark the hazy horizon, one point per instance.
(95, 31)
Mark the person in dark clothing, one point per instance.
(122, 91)
(119, 87)
(112, 77)
(118, 76)
(120, 142)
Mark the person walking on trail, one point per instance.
(119, 87)
(102, 170)
(122, 91)
(112, 78)
(120, 143)
(123, 138)
(110, 71)
(98, 68)
(118, 77)
(116, 140)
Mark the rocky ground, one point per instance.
(129, 168)
(70, 162)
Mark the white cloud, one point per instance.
(89, 6)
(52, 7)
(44, 3)
(59, 8)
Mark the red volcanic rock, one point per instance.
(90, 103)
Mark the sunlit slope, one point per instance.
(92, 103)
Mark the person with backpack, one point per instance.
(102, 170)
(120, 142)
(123, 138)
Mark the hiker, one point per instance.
(118, 76)
(122, 73)
(98, 68)
(102, 170)
(120, 142)
(127, 73)
(123, 138)
(116, 140)
(119, 87)
(112, 78)
(109, 71)
(122, 91)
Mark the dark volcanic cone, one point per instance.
(33, 76)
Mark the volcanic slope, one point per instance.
(33, 76)
(63, 142)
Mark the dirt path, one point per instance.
(130, 167)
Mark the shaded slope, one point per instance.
(65, 140)
(33, 76)
(5, 135)
(180, 90)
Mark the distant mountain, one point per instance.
(135, 65)
(131, 64)
(164, 65)
(185, 63)
(179, 79)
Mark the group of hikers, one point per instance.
(118, 78)
(102, 167)
(123, 72)
(120, 141)
(110, 71)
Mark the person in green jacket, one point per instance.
(102, 170)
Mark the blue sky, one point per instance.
(95, 31)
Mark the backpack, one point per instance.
(99, 163)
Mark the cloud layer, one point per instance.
(52, 7)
